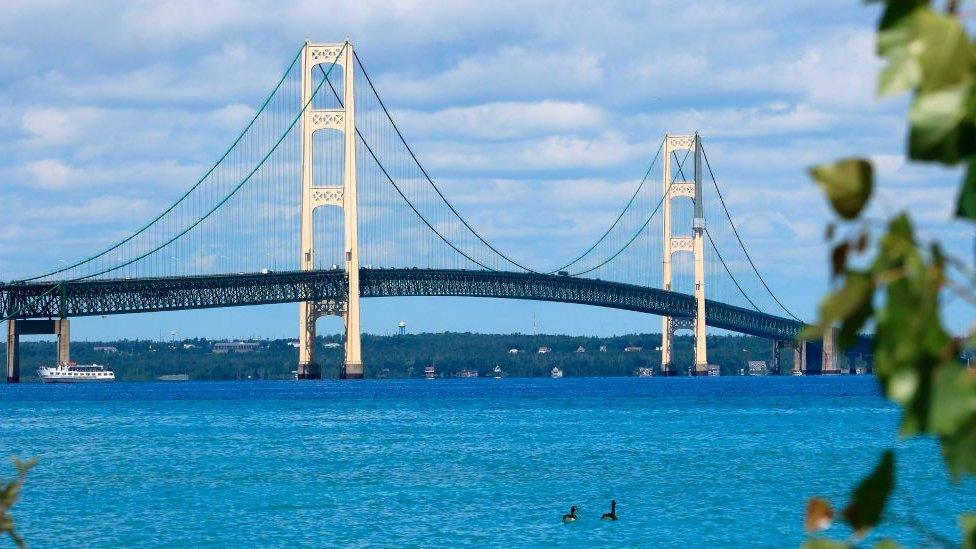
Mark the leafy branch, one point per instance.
(9, 493)
(898, 287)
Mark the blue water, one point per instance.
(484, 462)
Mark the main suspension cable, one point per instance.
(397, 187)
(721, 259)
(427, 176)
(229, 195)
(619, 217)
(643, 226)
(739, 238)
(190, 190)
(727, 270)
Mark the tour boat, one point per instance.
(430, 372)
(556, 372)
(69, 372)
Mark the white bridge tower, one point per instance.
(342, 194)
(679, 244)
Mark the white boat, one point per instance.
(69, 372)
(497, 372)
(429, 372)
(556, 372)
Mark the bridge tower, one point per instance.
(678, 244)
(342, 194)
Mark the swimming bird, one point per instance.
(571, 517)
(612, 515)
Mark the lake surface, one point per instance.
(482, 462)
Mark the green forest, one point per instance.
(403, 356)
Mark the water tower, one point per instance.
(402, 328)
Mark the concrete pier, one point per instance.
(63, 330)
(829, 364)
(310, 370)
(13, 352)
(814, 358)
(800, 357)
(774, 363)
(17, 328)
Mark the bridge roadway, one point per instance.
(137, 295)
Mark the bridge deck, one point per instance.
(120, 296)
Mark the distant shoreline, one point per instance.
(404, 356)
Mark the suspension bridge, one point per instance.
(321, 201)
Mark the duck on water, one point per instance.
(571, 516)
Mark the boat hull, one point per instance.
(76, 380)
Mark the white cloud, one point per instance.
(51, 126)
(98, 210)
(154, 178)
(49, 173)
(553, 152)
(771, 119)
(532, 73)
(837, 69)
(503, 120)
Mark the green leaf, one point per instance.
(9, 492)
(945, 54)
(869, 498)
(903, 71)
(820, 543)
(910, 340)
(941, 127)
(953, 398)
(959, 450)
(847, 183)
(887, 544)
(894, 24)
(966, 203)
(968, 524)
(924, 49)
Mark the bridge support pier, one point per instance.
(308, 368)
(774, 365)
(17, 328)
(799, 357)
(829, 364)
(63, 330)
(13, 352)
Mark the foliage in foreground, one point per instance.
(898, 282)
(9, 492)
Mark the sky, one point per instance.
(537, 117)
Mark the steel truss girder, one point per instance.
(121, 296)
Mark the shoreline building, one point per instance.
(224, 347)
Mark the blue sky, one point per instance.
(537, 118)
